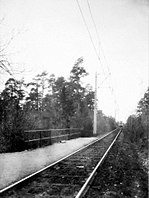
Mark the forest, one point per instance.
(136, 128)
(65, 103)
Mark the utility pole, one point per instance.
(95, 107)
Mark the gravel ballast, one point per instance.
(15, 166)
(122, 175)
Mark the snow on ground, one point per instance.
(15, 166)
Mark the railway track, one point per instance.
(69, 177)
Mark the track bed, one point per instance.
(65, 178)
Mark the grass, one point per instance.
(122, 174)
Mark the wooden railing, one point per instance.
(43, 137)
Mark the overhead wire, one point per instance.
(100, 47)
(90, 36)
(97, 34)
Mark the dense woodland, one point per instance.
(64, 104)
(137, 127)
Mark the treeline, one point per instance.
(137, 126)
(47, 102)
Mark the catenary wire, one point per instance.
(90, 36)
(100, 47)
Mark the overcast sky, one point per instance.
(51, 35)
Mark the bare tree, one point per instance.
(6, 67)
(4, 62)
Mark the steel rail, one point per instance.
(52, 164)
(88, 182)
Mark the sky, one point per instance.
(51, 35)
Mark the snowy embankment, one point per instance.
(15, 166)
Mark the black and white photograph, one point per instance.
(74, 98)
